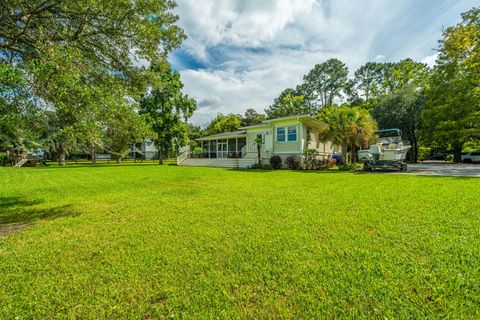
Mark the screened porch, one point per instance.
(224, 145)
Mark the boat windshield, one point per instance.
(389, 136)
(389, 133)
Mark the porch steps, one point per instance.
(21, 162)
(220, 163)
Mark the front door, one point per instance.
(222, 149)
(268, 142)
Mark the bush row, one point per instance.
(312, 160)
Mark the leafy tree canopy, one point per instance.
(252, 117)
(452, 114)
(80, 59)
(326, 82)
(402, 109)
(224, 123)
(167, 110)
(286, 104)
(347, 127)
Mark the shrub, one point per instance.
(293, 162)
(424, 153)
(310, 159)
(327, 163)
(267, 167)
(261, 166)
(3, 158)
(347, 167)
(276, 162)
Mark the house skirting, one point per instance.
(236, 163)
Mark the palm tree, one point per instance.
(259, 142)
(348, 127)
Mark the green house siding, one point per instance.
(251, 136)
(293, 147)
(306, 137)
(288, 146)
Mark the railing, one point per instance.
(183, 154)
(21, 162)
(252, 148)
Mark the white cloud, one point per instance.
(247, 22)
(430, 60)
(250, 50)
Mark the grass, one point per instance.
(149, 242)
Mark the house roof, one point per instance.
(260, 125)
(225, 135)
(308, 120)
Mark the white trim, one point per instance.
(285, 128)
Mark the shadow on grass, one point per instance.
(89, 165)
(286, 170)
(418, 174)
(22, 211)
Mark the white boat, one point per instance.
(388, 151)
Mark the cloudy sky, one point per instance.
(243, 53)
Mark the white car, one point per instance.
(469, 157)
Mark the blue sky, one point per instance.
(243, 53)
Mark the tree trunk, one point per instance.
(457, 152)
(344, 154)
(62, 155)
(415, 149)
(94, 156)
(160, 156)
(259, 148)
(119, 159)
(134, 152)
(353, 153)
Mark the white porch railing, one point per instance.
(252, 148)
(183, 154)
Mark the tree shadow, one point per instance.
(87, 165)
(320, 171)
(17, 210)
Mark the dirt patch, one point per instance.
(5, 230)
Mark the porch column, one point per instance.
(216, 152)
(236, 145)
(227, 147)
(208, 149)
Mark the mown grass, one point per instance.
(148, 242)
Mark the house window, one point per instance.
(280, 134)
(292, 133)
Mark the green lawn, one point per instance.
(148, 241)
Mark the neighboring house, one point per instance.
(145, 150)
(281, 136)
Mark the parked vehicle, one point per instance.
(469, 157)
(388, 152)
(439, 156)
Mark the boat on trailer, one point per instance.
(389, 151)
